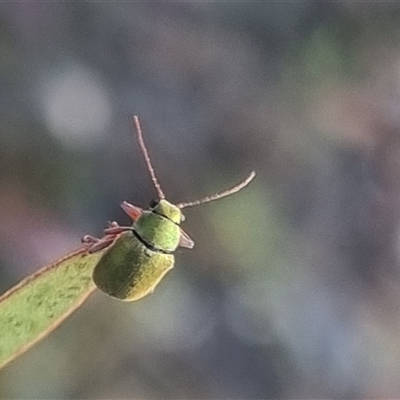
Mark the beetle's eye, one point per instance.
(153, 203)
(182, 217)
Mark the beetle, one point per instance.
(139, 256)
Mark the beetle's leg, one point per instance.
(133, 211)
(102, 243)
(89, 239)
(116, 230)
(111, 233)
(113, 228)
(95, 244)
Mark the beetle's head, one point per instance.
(168, 210)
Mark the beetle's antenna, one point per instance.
(217, 196)
(160, 193)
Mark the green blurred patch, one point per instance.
(249, 228)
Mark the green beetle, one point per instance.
(139, 256)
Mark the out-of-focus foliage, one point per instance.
(293, 287)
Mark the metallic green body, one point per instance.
(159, 227)
(135, 263)
(129, 270)
(169, 210)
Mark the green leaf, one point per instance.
(37, 305)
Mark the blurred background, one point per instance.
(293, 287)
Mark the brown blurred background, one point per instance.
(293, 287)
